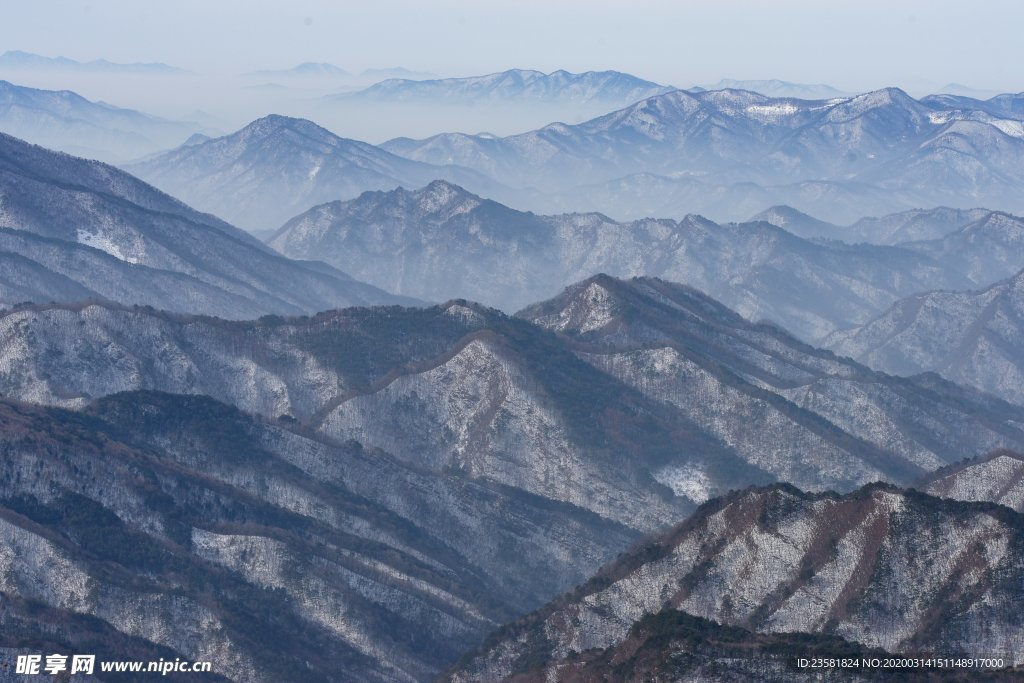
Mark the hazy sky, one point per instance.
(854, 45)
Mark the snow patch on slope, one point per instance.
(103, 242)
(688, 480)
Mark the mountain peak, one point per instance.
(584, 307)
(442, 195)
(272, 123)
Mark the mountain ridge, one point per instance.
(398, 241)
(123, 240)
(281, 165)
(699, 567)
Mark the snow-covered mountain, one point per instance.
(885, 568)
(1007, 104)
(973, 337)
(882, 149)
(70, 123)
(73, 229)
(442, 242)
(997, 477)
(177, 526)
(277, 166)
(411, 478)
(697, 399)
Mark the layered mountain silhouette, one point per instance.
(65, 121)
(730, 153)
(403, 481)
(441, 241)
(501, 103)
(556, 402)
(277, 166)
(18, 60)
(611, 89)
(74, 229)
(893, 229)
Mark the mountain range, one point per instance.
(277, 166)
(440, 241)
(74, 229)
(65, 121)
(683, 449)
(554, 402)
(502, 103)
(893, 229)
(611, 89)
(432, 471)
(405, 480)
(16, 60)
(730, 153)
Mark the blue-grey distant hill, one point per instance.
(66, 121)
(27, 61)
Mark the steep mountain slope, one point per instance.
(892, 569)
(277, 166)
(974, 338)
(637, 432)
(205, 534)
(987, 249)
(442, 242)
(448, 389)
(883, 146)
(753, 385)
(83, 229)
(70, 123)
(997, 477)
